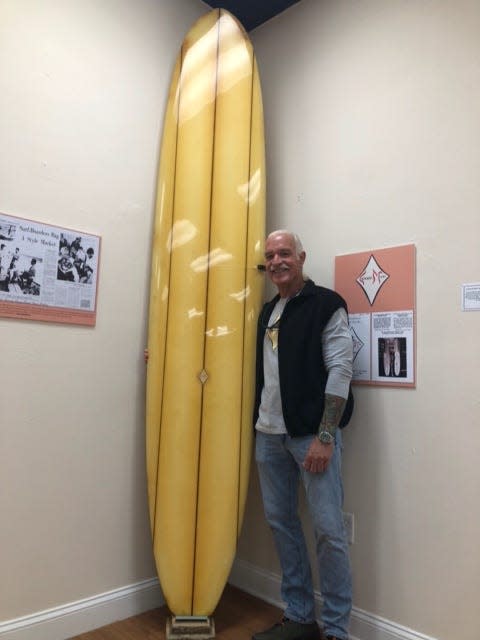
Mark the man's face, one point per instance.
(283, 265)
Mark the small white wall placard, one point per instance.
(471, 296)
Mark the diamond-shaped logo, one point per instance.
(358, 344)
(203, 376)
(372, 279)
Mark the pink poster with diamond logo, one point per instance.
(379, 287)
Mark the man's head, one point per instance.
(284, 258)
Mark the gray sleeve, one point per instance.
(338, 354)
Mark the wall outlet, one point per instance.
(349, 522)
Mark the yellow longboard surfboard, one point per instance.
(206, 293)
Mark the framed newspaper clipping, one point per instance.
(47, 273)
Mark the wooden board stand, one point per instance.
(190, 628)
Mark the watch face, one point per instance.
(325, 437)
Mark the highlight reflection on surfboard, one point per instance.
(206, 293)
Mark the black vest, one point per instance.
(302, 372)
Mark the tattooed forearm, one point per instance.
(332, 413)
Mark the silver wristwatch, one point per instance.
(326, 437)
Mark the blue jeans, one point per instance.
(279, 460)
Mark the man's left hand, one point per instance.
(318, 456)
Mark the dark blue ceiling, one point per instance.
(252, 13)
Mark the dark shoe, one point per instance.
(290, 630)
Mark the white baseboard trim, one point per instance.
(78, 617)
(63, 622)
(363, 625)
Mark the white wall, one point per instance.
(372, 123)
(83, 87)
